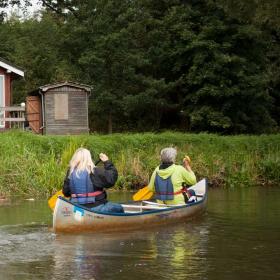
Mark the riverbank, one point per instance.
(35, 165)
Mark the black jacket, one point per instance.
(102, 178)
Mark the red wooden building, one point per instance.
(8, 73)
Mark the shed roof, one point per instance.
(11, 68)
(62, 84)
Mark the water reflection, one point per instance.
(178, 249)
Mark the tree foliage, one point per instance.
(192, 65)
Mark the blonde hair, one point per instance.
(81, 160)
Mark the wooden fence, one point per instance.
(14, 115)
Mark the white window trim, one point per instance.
(2, 124)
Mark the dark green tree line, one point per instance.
(190, 65)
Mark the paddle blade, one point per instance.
(143, 194)
(53, 199)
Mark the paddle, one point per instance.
(53, 199)
(145, 193)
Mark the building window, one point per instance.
(61, 106)
(2, 98)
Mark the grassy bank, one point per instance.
(36, 165)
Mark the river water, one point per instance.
(237, 238)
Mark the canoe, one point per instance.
(71, 217)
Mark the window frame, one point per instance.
(2, 113)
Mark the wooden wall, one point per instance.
(62, 118)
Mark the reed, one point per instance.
(35, 165)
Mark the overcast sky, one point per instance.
(30, 10)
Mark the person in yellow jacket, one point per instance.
(168, 179)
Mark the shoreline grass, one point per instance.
(35, 165)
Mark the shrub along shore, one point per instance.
(35, 165)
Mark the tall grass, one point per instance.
(36, 165)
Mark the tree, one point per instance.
(218, 70)
(115, 57)
(35, 45)
(264, 14)
(194, 65)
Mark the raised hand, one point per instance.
(103, 157)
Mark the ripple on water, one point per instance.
(24, 243)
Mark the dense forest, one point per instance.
(189, 65)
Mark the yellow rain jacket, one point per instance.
(179, 175)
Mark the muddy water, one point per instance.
(238, 237)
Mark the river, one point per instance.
(237, 238)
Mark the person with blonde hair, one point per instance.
(168, 179)
(85, 183)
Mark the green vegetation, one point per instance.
(35, 165)
(197, 65)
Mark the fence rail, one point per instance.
(15, 116)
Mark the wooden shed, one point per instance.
(8, 73)
(60, 108)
